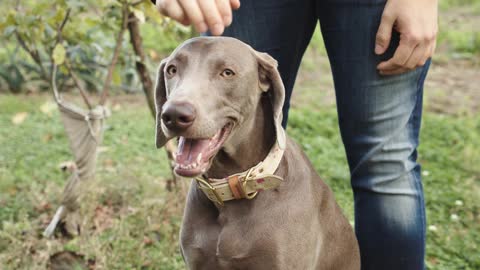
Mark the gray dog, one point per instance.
(255, 202)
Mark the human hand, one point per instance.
(417, 23)
(203, 14)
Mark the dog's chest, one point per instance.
(240, 243)
(231, 247)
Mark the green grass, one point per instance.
(445, 5)
(128, 194)
(131, 222)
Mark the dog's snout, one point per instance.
(178, 116)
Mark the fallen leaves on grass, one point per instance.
(48, 107)
(47, 137)
(102, 149)
(104, 218)
(19, 118)
(43, 207)
(64, 260)
(68, 165)
(147, 241)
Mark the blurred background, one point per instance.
(131, 212)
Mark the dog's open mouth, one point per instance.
(194, 155)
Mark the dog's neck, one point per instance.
(255, 136)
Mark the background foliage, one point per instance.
(88, 37)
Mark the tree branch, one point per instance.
(83, 93)
(33, 54)
(116, 52)
(136, 41)
(62, 25)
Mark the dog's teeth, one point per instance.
(199, 158)
(191, 165)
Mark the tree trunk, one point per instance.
(170, 147)
(136, 41)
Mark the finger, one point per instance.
(235, 4)
(194, 15)
(399, 59)
(429, 53)
(225, 11)
(160, 5)
(395, 71)
(434, 47)
(185, 21)
(419, 57)
(212, 16)
(174, 11)
(426, 56)
(384, 33)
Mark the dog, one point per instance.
(255, 201)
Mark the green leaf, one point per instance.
(59, 15)
(116, 76)
(9, 30)
(11, 17)
(59, 54)
(151, 12)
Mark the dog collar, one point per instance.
(247, 184)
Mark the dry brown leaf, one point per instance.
(48, 107)
(102, 149)
(68, 165)
(117, 107)
(147, 241)
(103, 218)
(18, 118)
(47, 137)
(43, 206)
(153, 54)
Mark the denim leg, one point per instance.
(282, 28)
(379, 118)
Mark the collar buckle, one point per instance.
(243, 185)
(209, 190)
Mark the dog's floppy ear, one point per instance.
(160, 99)
(271, 81)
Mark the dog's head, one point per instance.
(207, 89)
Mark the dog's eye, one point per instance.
(227, 73)
(171, 70)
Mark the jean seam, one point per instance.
(417, 178)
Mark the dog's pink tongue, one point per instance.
(189, 150)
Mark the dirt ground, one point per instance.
(452, 86)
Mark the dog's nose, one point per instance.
(178, 116)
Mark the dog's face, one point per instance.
(207, 89)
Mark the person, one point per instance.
(379, 51)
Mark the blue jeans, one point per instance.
(379, 116)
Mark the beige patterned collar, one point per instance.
(247, 184)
